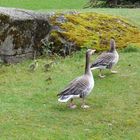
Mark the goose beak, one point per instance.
(93, 51)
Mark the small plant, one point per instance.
(67, 48)
(47, 47)
(1, 62)
(131, 48)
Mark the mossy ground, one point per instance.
(93, 30)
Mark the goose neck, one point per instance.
(87, 67)
(112, 49)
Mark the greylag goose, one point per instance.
(79, 87)
(47, 66)
(107, 59)
(33, 66)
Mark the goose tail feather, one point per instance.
(64, 98)
(94, 68)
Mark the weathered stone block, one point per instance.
(21, 32)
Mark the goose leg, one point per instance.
(84, 106)
(114, 72)
(100, 74)
(72, 105)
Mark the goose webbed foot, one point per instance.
(84, 106)
(101, 75)
(72, 105)
(114, 72)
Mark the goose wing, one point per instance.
(79, 86)
(105, 59)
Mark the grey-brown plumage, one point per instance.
(47, 66)
(79, 87)
(33, 66)
(107, 59)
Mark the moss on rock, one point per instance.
(94, 30)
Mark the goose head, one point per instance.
(87, 66)
(112, 45)
(90, 52)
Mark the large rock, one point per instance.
(24, 33)
(21, 32)
(91, 30)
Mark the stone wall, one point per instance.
(21, 32)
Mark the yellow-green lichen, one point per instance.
(95, 30)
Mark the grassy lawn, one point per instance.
(30, 110)
(44, 4)
(60, 5)
(28, 104)
(133, 15)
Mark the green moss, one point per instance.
(4, 18)
(95, 30)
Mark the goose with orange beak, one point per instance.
(79, 87)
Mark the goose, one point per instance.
(107, 59)
(33, 66)
(48, 65)
(79, 87)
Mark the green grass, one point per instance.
(44, 4)
(133, 15)
(28, 104)
(60, 5)
(30, 110)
